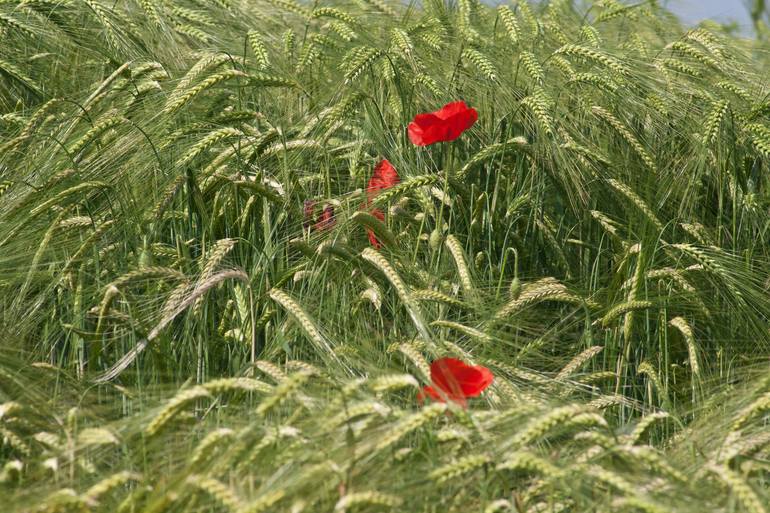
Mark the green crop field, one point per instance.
(239, 261)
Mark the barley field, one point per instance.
(238, 260)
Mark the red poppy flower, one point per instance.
(445, 124)
(326, 221)
(455, 380)
(372, 237)
(384, 177)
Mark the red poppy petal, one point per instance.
(474, 380)
(386, 173)
(373, 239)
(461, 122)
(373, 187)
(468, 118)
(431, 135)
(426, 120)
(416, 135)
(446, 124)
(326, 221)
(375, 183)
(486, 378)
(429, 391)
(451, 109)
(438, 396)
(384, 177)
(425, 129)
(443, 374)
(458, 379)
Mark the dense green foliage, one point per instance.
(173, 339)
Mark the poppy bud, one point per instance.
(435, 239)
(480, 259)
(515, 289)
